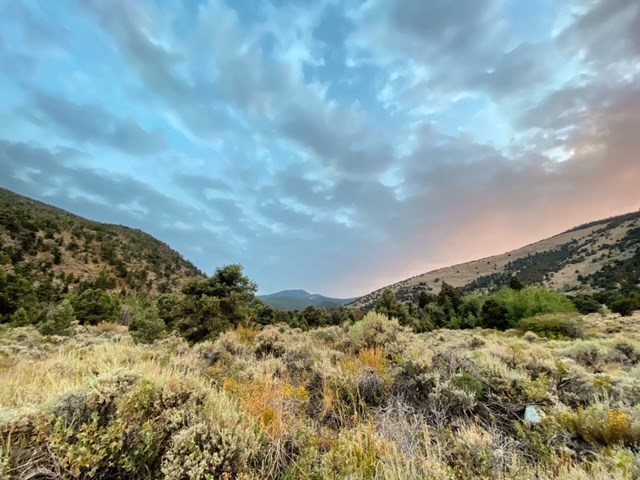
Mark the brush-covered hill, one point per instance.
(597, 255)
(50, 244)
(301, 299)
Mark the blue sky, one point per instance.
(335, 146)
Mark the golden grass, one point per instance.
(308, 398)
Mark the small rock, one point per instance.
(567, 360)
(533, 415)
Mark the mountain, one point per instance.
(596, 255)
(301, 299)
(50, 244)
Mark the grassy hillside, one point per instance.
(370, 400)
(597, 255)
(51, 245)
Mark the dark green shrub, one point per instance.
(94, 306)
(20, 318)
(147, 327)
(495, 315)
(625, 306)
(59, 321)
(553, 325)
(586, 304)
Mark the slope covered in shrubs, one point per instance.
(61, 252)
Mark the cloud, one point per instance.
(332, 156)
(91, 123)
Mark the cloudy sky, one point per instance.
(335, 146)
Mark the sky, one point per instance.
(335, 146)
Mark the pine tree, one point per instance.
(59, 321)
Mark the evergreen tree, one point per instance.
(390, 306)
(515, 284)
(59, 321)
(20, 318)
(495, 315)
(215, 304)
(147, 326)
(93, 306)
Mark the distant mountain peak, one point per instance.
(298, 299)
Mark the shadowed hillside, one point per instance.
(597, 255)
(52, 245)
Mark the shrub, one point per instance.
(532, 301)
(147, 327)
(94, 306)
(123, 427)
(495, 315)
(600, 424)
(20, 318)
(625, 306)
(553, 325)
(59, 321)
(375, 330)
(586, 304)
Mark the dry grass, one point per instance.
(337, 403)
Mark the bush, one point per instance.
(126, 428)
(375, 330)
(495, 315)
(59, 321)
(20, 318)
(625, 306)
(586, 304)
(532, 301)
(94, 306)
(600, 424)
(147, 327)
(553, 325)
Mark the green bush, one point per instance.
(375, 330)
(147, 327)
(59, 321)
(586, 304)
(532, 301)
(553, 325)
(122, 427)
(625, 306)
(94, 306)
(20, 318)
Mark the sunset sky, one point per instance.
(335, 146)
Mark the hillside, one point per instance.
(301, 299)
(596, 255)
(50, 244)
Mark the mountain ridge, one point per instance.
(63, 248)
(298, 299)
(586, 257)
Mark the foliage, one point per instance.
(94, 306)
(59, 321)
(370, 400)
(213, 305)
(392, 308)
(586, 304)
(553, 325)
(530, 302)
(147, 326)
(20, 318)
(626, 306)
